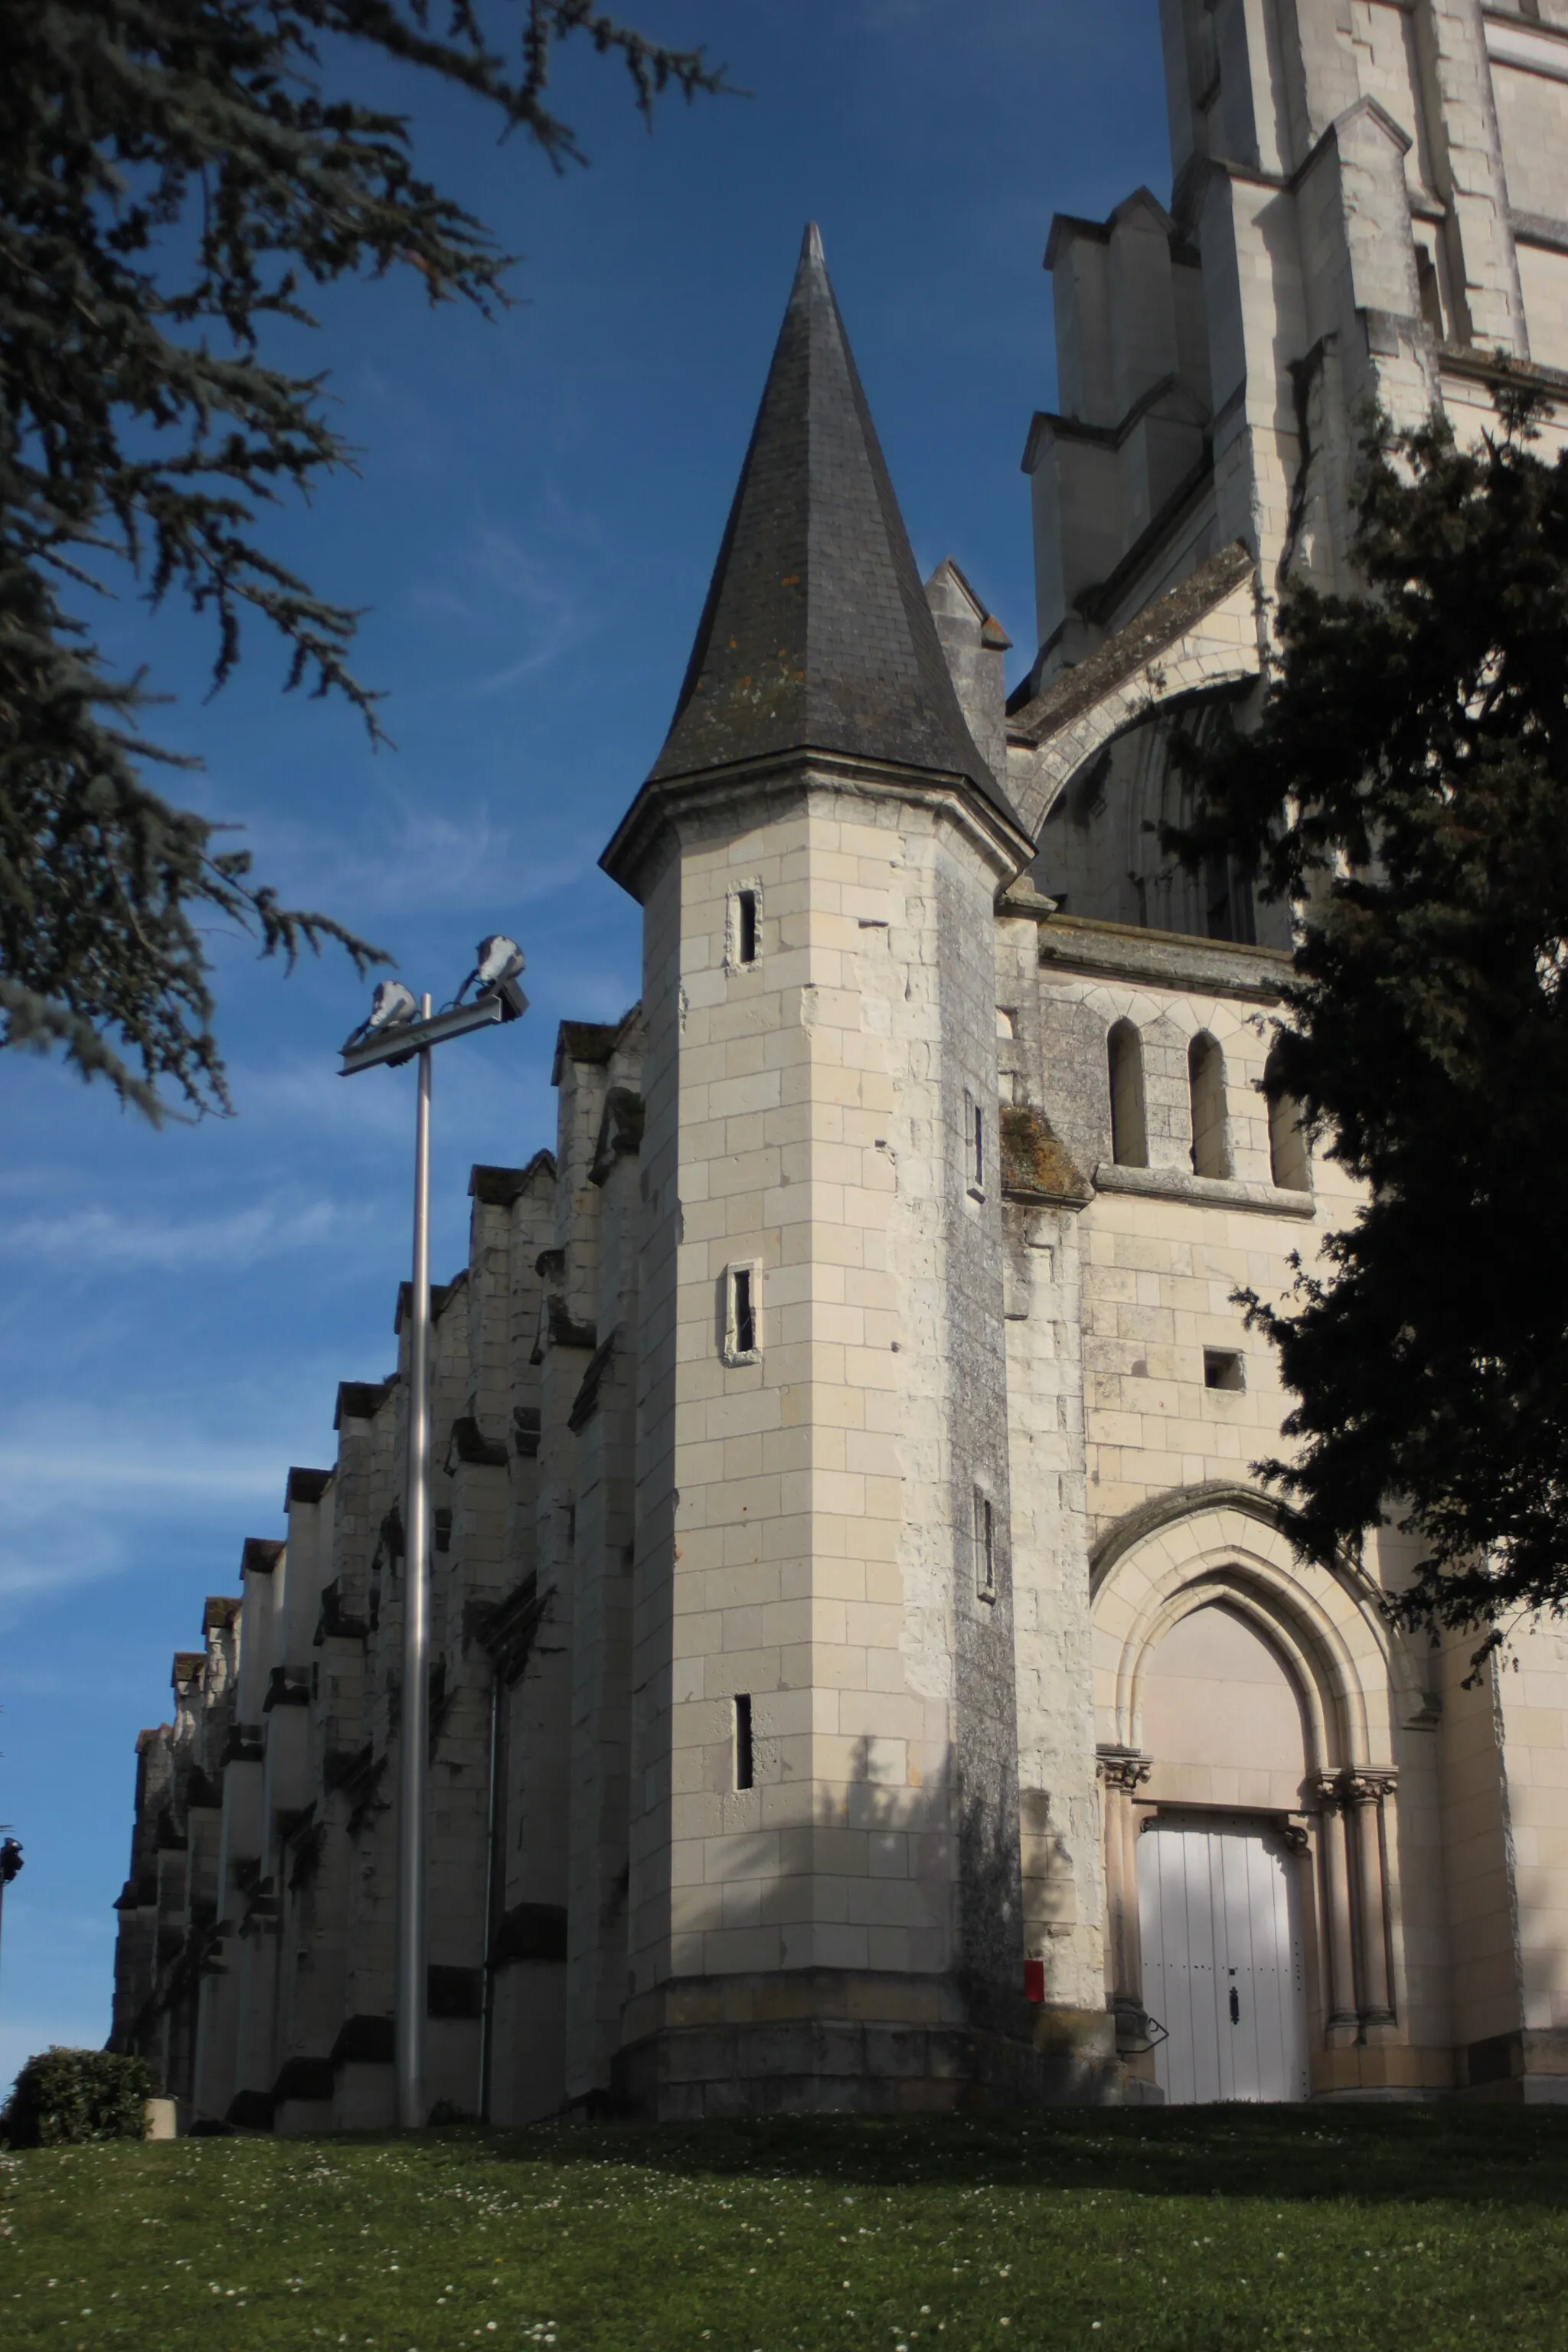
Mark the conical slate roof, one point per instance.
(817, 635)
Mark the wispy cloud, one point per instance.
(82, 1505)
(407, 857)
(128, 1473)
(41, 1562)
(498, 587)
(98, 1240)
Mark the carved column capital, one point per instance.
(1355, 1784)
(1126, 1769)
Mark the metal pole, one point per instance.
(10, 1868)
(492, 1883)
(411, 1968)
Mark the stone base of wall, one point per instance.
(841, 2041)
(1527, 2069)
(1386, 2069)
(1519, 2069)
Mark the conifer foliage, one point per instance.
(174, 174)
(1406, 792)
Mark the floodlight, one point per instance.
(390, 1006)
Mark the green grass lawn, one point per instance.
(1393, 2229)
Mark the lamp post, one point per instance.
(397, 1031)
(10, 1864)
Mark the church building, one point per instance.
(869, 1673)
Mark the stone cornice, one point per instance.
(1204, 1191)
(663, 804)
(1162, 959)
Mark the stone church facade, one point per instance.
(868, 1675)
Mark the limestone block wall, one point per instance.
(264, 1812)
(1478, 1855)
(599, 1074)
(525, 2065)
(1177, 1402)
(1531, 1700)
(1371, 201)
(808, 1117)
(1060, 1842)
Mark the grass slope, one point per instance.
(1185, 2230)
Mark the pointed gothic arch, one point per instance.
(1192, 1549)
(1230, 1546)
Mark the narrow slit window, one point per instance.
(745, 1313)
(743, 926)
(741, 1336)
(744, 1761)
(984, 1547)
(974, 1145)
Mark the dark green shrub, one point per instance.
(66, 2096)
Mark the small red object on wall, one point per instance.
(1034, 1980)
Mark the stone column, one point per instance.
(1123, 1770)
(1364, 1793)
(1338, 1926)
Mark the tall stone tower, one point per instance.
(825, 1897)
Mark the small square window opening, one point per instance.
(1223, 1369)
(745, 1764)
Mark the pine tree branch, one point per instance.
(172, 175)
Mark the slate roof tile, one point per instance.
(817, 635)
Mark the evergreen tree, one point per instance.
(1406, 793)
(173, 175)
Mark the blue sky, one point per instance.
(538, 507)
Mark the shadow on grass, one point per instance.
(1502, 2157)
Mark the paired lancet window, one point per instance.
(1289, 1153)
(1128, 1125)
(1205, 1088)
(1290, 1156)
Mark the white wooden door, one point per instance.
(1219, 1911)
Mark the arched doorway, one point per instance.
(1220, 1891)
(1243, 1719)
(1224, 1958)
